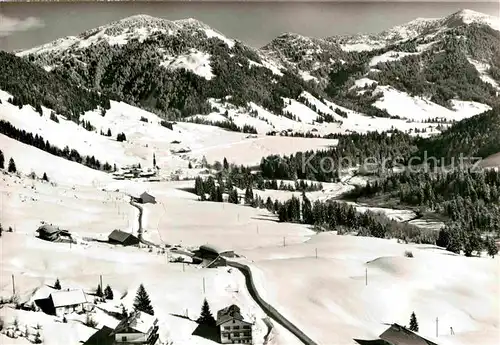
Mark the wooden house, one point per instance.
(123, 238)
(66, 302)
(139, 329)
(397, 335)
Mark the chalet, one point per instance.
(397, 335)
(139, 328)
(54, 234)
(146, 198)
(233, 329)
(66, 302)
(123, 238)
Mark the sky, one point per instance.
(24, 25)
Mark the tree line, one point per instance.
(30, 84)
(469, 201)
(37, 141)
(227, 124)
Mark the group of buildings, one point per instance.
(140, 328)
(134, 171)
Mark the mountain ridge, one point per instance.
(174, 68)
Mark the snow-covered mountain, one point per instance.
(415, 28)
(138, 27)
(314, 57)
(178, 69)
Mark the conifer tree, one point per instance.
(57, 284)
(307, 215)
(109, 132)
(206, 317)
(108, 292)
(142, 301)
(491, 247)
(98, 291)
(2, 160)
(12, 166)
(225, 164)
(413, 322)
(45, 178)
(249, 195)
(233, 196)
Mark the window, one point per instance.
(236, 327)
(246, 327)
(227, 328)
(124, 338)
(246, 334)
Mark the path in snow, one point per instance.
(266, 307)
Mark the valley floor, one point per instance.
(325, 296)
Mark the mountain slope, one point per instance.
(178, 69)
(171, 68)
(477, 137)
(456, 57)
(32, 85)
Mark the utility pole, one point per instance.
(437, 327)
(316, 253)
(366, 276)
(203, 285)
(284, 241)
(13, 286)
(100, 278)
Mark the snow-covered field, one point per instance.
(418, 109)
(335, 304)
(326, 296)
(87, 212)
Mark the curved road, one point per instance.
(268, 309)
(139, 230)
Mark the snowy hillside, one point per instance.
(418, 27)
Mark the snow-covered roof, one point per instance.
(119, 236)
(48, 229)
(67, 298)
(228, 314)
(138, 321)
(214, 249)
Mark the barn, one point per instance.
(208, 251)
(123, 238)
(146, 198)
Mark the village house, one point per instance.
(145, 198)
(138, 328)
(397, 335)
(123, 238)
(233, 329)
(66, 302)
(52, 233)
